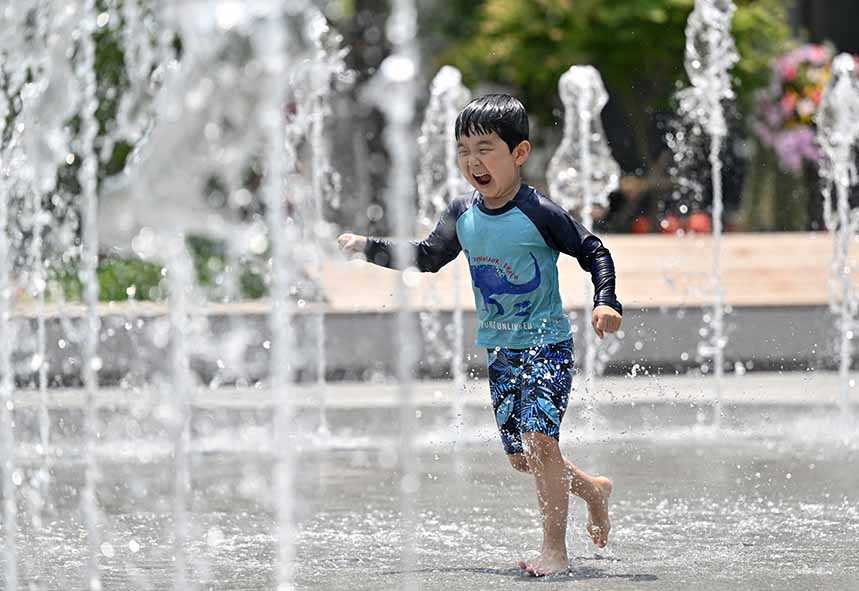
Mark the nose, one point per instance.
(472, 161)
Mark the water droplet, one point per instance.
(214, 537)
(241, 198)
(411, 277)
(258, 243)
(375, 212)
(143, 244)
(133, 547)
(410, 484)
(228, 15)
(107, 550)
(398, 68)
(387, 457)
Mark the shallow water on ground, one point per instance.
(771, 500)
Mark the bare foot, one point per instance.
(599, 523)
(545, 565)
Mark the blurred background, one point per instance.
(637, 45)
(523, 47)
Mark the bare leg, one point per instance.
(594, 490)
(553, 493)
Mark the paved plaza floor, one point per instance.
(768, 500)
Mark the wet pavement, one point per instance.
(770, 500)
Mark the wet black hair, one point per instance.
(501, 113)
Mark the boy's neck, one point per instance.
(502, 200)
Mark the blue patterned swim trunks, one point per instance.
(530, 389)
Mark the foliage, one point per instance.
(210, 261)
(123, 279)
(119, 279)
(637, 45)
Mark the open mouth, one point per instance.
(482, 179)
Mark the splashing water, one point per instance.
(838, 135)
(213, 110)
(438, 177)
(190, 119)
(582, 172)
(326, 187)
(272, 46)
(393, 91)
(710, 55)
(38, 143)
(88, 178)
(7, 385)
(439, 182)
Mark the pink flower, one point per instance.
(788, 103)
(786, 66)
(817, 54)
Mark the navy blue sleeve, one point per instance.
(431, 253)
(564, 234)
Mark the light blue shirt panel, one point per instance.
(515, 280)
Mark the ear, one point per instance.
(521, 153)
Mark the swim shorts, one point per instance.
(530, 389)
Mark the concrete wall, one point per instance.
(230, 347)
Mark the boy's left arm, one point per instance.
(608, 312)
(566, 235)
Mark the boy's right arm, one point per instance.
(430, 254)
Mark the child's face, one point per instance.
(488, 165)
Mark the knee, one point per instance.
(540, 447)
(518, 462)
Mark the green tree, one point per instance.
(637, 45)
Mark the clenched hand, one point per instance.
(351, 244)
(605, 319)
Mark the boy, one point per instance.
(511, 235)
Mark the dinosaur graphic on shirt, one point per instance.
(491, 281)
